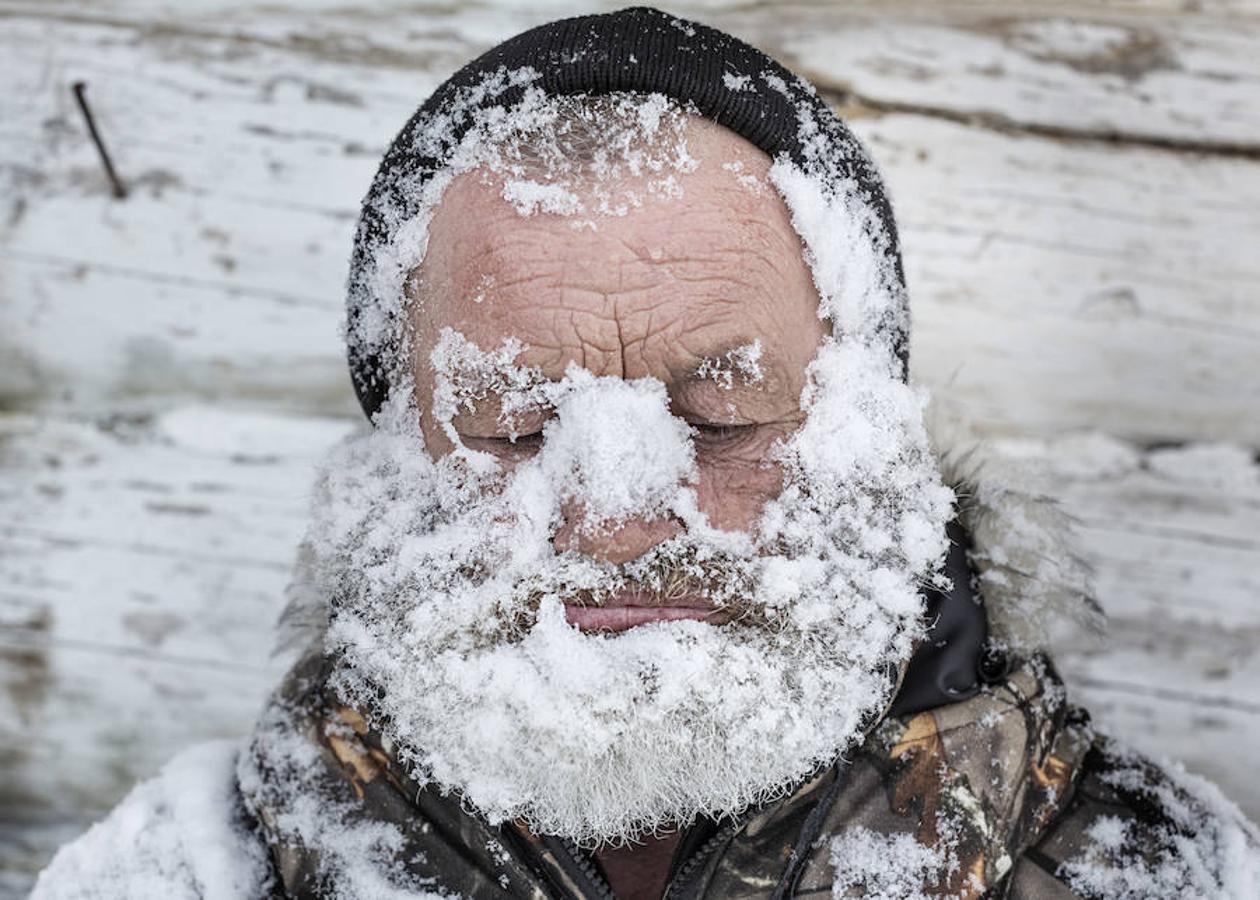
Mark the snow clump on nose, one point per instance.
(616, 447)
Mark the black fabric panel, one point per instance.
(944, 668)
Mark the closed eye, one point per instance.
(533, 439)
(506, 444)
(720, 434)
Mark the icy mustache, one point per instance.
(676, 573)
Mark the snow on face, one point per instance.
(741, 361)
(518, 472)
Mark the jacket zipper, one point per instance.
(596, 886)
(696, 862)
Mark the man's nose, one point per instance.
(615, 543)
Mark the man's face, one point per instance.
(638, 539)
(678, 289)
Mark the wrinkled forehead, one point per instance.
(639, 275)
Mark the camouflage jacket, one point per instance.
(1009, 793)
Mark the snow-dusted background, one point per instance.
(1079, 192)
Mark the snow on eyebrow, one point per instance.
(612, 444)
(744, 361)
(466, 374)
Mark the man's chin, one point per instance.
(602, 741)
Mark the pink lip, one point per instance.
(625, 610)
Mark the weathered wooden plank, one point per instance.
(154, 524)
(223, 272)
(142, 562)
(1041, 270)
(214, 114)
(1171, 73)
(1174, 537)
(1172, 78)
(94, 337)
(1059, 284)
(1061, 287)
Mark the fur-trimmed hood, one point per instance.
(1035, 583)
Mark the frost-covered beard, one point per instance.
(449, 626)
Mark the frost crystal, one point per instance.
(889, 866)
(178, 835)
(547, 151)
(1203, 847)
(743, 361)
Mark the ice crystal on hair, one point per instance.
(467, 375)
(549, 152)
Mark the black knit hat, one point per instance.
(634, 50)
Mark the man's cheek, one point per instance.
(435, 440)
(732, 492)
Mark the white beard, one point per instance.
(449, 628)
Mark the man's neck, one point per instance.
(640, 871)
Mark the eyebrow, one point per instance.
(686, 378)
(722, 354)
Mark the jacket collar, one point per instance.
(971, 783)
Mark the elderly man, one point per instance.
(645, 581)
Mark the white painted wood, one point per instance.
(178, 366)
(1174, 537)
(1068, 287)
(1169, 77)
(143, 563)
(1056, 284)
